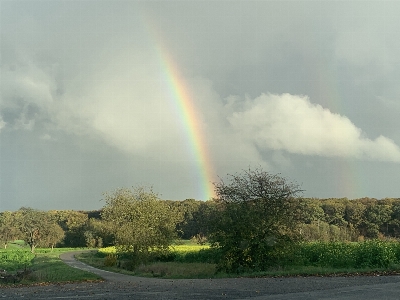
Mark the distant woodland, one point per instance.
(320, 220)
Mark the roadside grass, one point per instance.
(44, 267)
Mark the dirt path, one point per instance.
(118, 286)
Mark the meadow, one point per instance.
(43, 267)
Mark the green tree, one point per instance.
(8, 231)
(52, 235)
(74, 225)
(257, 220)
(197, 215)
(354, 213)
(188, 227)
(97, 234)
(310, 210)
(335, 211)
(376, 219)
(34, 226)
(140, 222)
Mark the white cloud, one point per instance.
(2, 123)
(294, 124)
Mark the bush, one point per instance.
(110, 260)
(256, 222)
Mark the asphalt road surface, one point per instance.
(118, 286)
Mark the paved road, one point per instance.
(118, 286)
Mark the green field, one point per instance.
(42, 267)
(317, 258)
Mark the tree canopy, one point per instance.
(139, 221)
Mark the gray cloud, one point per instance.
(85, 95)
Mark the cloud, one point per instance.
(294, 124)
(2, 123)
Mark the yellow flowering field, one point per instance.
(181, 249)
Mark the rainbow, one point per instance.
(187, 112)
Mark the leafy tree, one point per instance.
(335, 211)
(188, 227)
(257, 220)
(8, 231)
(97, 234)
(197, 215)
(376, 219)
(394, 223)
(34, 226)
(52, 235)
(140, 222)
(354, 213)
(73, 223)
(310, 210)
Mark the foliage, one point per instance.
(8, 230)
(371, 254)
(324, 232)
(73, 224)
(257, 220)
(141, 223)
(13, 260)
(36, 227)
(197, 215)
(110, 260)
(44, 266)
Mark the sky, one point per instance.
(101, 95)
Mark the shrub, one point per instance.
(256, 221)
(110, 260)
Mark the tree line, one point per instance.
(254, 217)
(61, 228)
(334, 219)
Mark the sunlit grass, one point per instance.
(181, 248)
(45, 266)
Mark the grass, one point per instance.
(45, 266)
(48, 267)
(185, 260)
(173, 270)
(177, 270)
